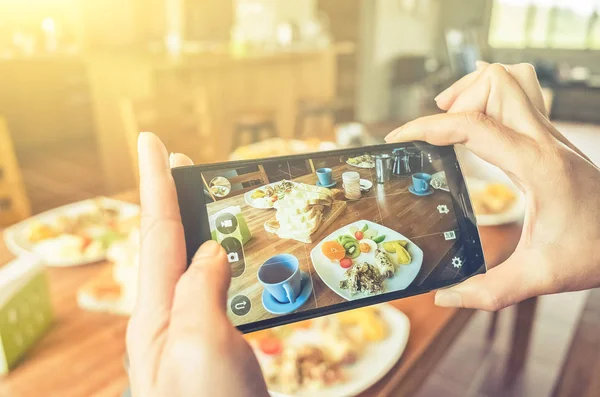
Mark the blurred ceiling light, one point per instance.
(48, 25)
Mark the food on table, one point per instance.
(363, 277)
(300, 210)
(267, 196)
(390, 246)
(398, 247)
(370, 234)
(333, 250)
(364, 161)
(258, 193)
(350, 244)
(384, 264)
(115, 289)
(403, 256)
(379, 239)
(85, 235)
(346, 263)
(495, 198)
(359, 235)
(270, 345)
(369, 320)
(315, 354)
(364, 248)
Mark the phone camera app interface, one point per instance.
(307, 234)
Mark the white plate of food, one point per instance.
(264, 197)
(390, 263)
(364, 161)
(74, 234)
(335, 356)
(495, 201)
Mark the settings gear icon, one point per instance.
(457, 262)
(443, 209)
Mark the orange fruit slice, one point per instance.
(333, 250)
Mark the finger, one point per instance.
(162, 251)
(497, 94)
(515, 89)
(447, 97)
(526, 77)
(481, 134)
(201, 294)
(179, 160)
(511, 282)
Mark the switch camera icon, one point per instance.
(233, 257)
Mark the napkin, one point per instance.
(25, 309)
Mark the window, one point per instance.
(568, 24)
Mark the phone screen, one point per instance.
(319, 233)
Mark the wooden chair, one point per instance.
(14, 202)
(315, 118)
(183, 124)
(248, 181)
(253, 124)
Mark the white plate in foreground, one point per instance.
(16, 240)
(332, 273)
(374, 363)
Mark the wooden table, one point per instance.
(83, 353)
(390, 205)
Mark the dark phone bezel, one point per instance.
(194, 215)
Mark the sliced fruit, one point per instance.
(359, 235)
(347, 239)
(270, 346)
(365, 228)
(353, 229)
(333, 250)
(364, 248)
(370, 233)
(346, 263)
(389, 247)
(403, 255)
(379, 239)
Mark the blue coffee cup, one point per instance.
(325, 176)
(281, 277)
(421, 182)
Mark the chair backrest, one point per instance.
(248, 181)
(183, 124)
(14, 202)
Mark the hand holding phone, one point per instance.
(319, 233)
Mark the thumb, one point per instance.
(201, 293)
(510, 282)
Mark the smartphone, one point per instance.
(315, 234)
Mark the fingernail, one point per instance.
(208, 249)
(448, 298)
(172, 159)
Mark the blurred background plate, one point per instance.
(375, 362)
